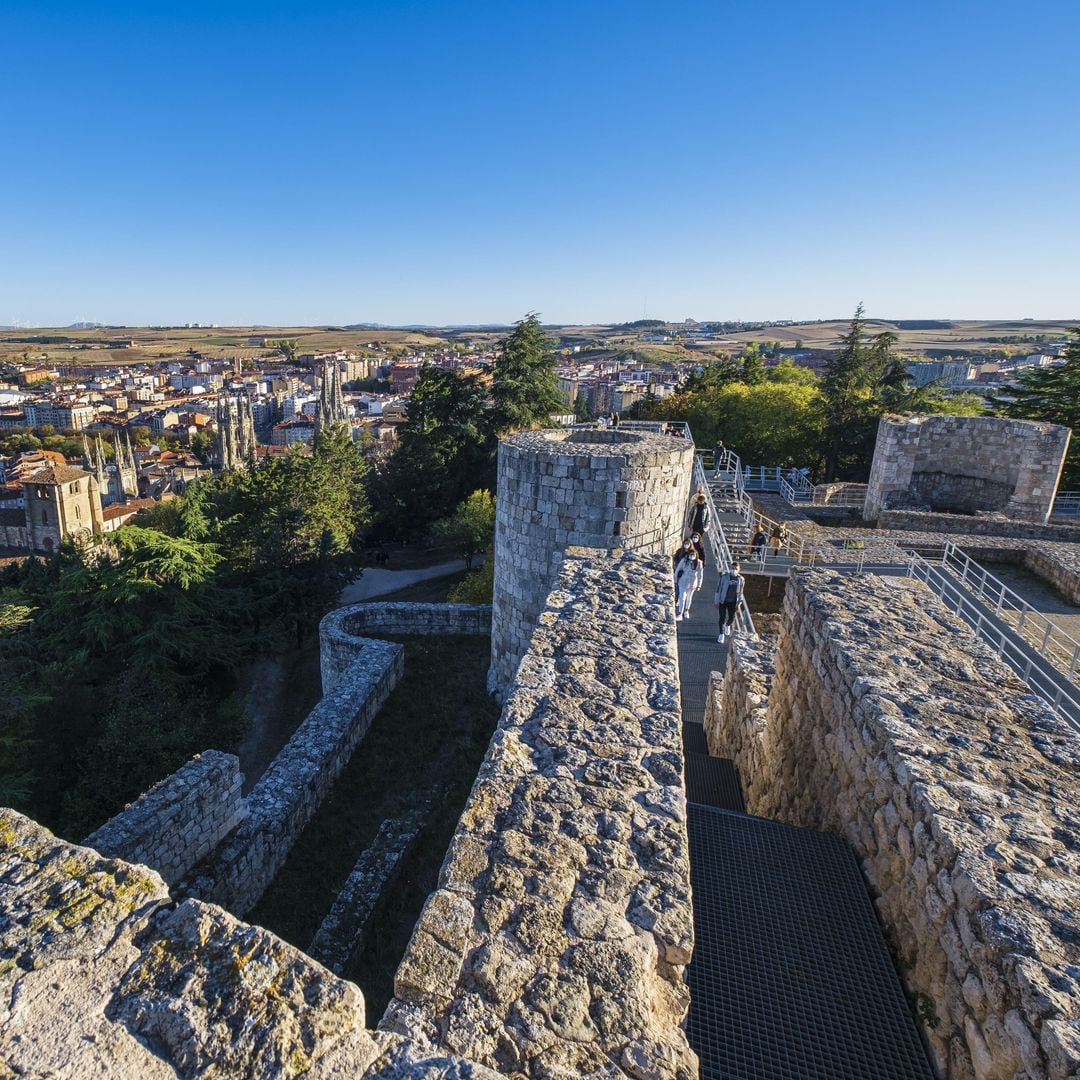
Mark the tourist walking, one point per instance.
(758, 543)
(698, 517)
(685, 573)
(729, 591)
(699, 545)
(680, 552)
(778, 537)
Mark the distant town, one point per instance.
(147, 412)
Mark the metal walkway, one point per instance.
(790, 976)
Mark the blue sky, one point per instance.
(438, 162)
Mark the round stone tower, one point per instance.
(582, 487)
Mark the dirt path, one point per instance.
(376, 582)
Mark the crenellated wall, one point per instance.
(556, 941)
(888, 721)
(180, 820)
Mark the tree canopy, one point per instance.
(524, 388)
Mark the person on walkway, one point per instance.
(699, 548)
(698, 517)
(778, 537)
(685, 573)
(729, 591)
(681, 552)
(717, 456)
(758, 542)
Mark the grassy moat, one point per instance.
(430, 735)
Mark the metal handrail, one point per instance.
(1066, 504)
(1037, 679)
(1042, 633)
(719, 545)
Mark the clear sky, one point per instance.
(427, 161)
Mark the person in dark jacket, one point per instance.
(729, 591)
(698, 519)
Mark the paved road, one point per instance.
(376, 582)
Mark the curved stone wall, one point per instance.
(613, 490)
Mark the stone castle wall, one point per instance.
(297, 780)
(342, 633)
(576, 487)
(556, 941)
(102, 975)
(888, 721)
(967, 463)
(180, 820)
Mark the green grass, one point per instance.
(432, 732)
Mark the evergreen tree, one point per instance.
(524, 387)
(1051, 394)
(753, 364)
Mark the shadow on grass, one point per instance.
(432, 732)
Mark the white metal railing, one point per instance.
(1066, 504)
(838, 494)
(1042, 633)
(719, 545)
(1055, 691)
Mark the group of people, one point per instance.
(689, 566)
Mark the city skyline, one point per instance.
(459, 164)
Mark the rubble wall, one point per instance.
(180, 820)
(297, 780)
(889, 722)
(556, 941)
(101, 975)
(342, 632)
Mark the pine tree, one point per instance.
(1051, 394)
(524, 386)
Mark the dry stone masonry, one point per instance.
(556, 941)
(180, 820)
(343, 634)
(582, 487)
(882, 717)
(966, 463)
(297, 780)
(101, 975)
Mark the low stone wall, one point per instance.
(179, 820)
(100, 975)
(342, 633)
(340, 936)
(888, 721)
(1058, 564)
(976, 525)
(297, 780)
(736, 705)
(556, 941)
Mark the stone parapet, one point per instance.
(342, 633)
(625, 490)
(180, 820)
(100, 975)
(556, 941)
(888, 721)
(976, 525)
(297, 780)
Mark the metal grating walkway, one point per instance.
(790, 975)
(713, 781)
